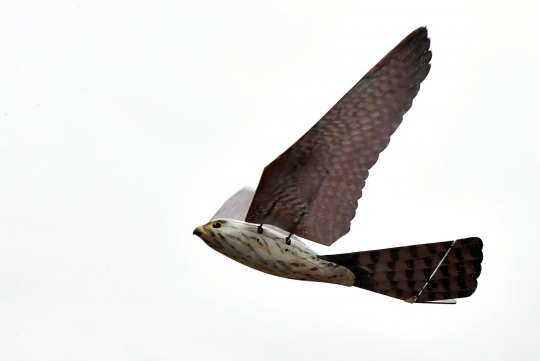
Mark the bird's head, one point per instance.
(219, 231)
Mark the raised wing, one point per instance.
(312, 188)
(420, 273)
(236, 207)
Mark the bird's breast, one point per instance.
(271, 253)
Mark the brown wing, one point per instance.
(312, 188)
(410, 273)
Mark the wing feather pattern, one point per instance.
(416, 273)
(312, 189)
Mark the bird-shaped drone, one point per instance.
(311, 191)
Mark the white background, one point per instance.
(126, 124)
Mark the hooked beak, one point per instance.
(198, 231)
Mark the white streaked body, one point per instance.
(269, 252)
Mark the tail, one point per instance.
(420, 273)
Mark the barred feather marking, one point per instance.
(411, 273)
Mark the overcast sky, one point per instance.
(126, 124)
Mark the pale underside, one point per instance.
(271, 252)
(418, 273)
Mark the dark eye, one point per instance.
(216, 225)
